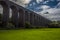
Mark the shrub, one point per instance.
(10, 26)
(28, 25)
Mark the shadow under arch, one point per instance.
(21, 18)
(5, 16)
(14, 18)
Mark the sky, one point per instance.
(47, 8)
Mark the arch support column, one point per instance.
(35, 20)
(27, 16)
(14, 16)
(21, 18)
(5, 16)
(32, 19)
(38, 20)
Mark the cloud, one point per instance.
(38, 1)
(22, 2)
(25, 1)
(54, 13)
(45, 2)
(45, 7)
(58, 5)
(54, 10)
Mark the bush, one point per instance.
(10, 26)
(28, 25)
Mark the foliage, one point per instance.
(28, 25)
(10, 26)
(54, 24)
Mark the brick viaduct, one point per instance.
(24, 15)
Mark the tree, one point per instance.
(54, 24)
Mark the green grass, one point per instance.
(31, 34)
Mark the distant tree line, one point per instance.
(54, 24)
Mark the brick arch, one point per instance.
(35, 19)
(14, 15)
(32, 18)
(21, 17)
(5, 16)
(27, 16)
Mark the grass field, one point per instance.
(31, 34)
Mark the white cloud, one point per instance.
(45, 2)
(45, 7)
(54, 13)
(38, 1)
(22, 2)
(54, 10)
(49, 9)
(32, 4)
(25, 1)
(58, 5)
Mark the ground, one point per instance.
(31, 34)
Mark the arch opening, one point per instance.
(21, 18)
(14, 15)
(5, 12)
(1, 13)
